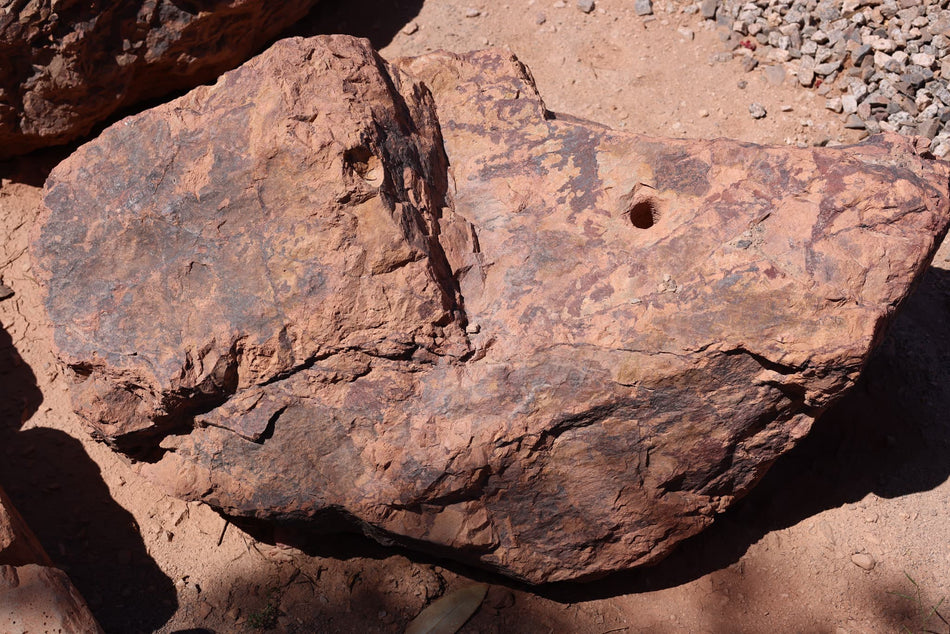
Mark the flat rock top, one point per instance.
(410, 297)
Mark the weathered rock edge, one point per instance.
(68, 65)
(409, 297)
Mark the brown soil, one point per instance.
(873, 478)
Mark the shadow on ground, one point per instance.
(366, 595)
(377, 20)
(33, 168)
(60, 493)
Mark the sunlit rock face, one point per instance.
(407, 300)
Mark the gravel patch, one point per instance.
(881, 64)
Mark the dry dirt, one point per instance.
(870, 484)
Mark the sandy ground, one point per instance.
(870, 485)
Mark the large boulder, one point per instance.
(68, 65)
(408, 300)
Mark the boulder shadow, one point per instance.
(33, 168)
(889, 436)
(59, 491)
(377, 20)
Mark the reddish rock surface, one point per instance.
(410, 300)
(68, 65)
(35, 596)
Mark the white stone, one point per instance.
(923, 59)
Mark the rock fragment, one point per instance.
(775, 75)
(854, 122)
(849, 104)
(806, 76)
(863, 560)
(927, 128)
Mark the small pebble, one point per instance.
(775, 75)
(849, 104)
(757, 110)
(472, 13)
(708, 9)
(863, 560)
(585, 5)
(924, 60)
(643, 7)
(703, 113)
(927, 128)
(860, 53)
(806, 77)
(854, 122)
(827, 68)
(410, 28)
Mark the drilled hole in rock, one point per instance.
(644, 214)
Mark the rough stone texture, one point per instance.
(68, 65)
(410, 301)
(35, 596)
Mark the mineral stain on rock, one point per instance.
(408, 295)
